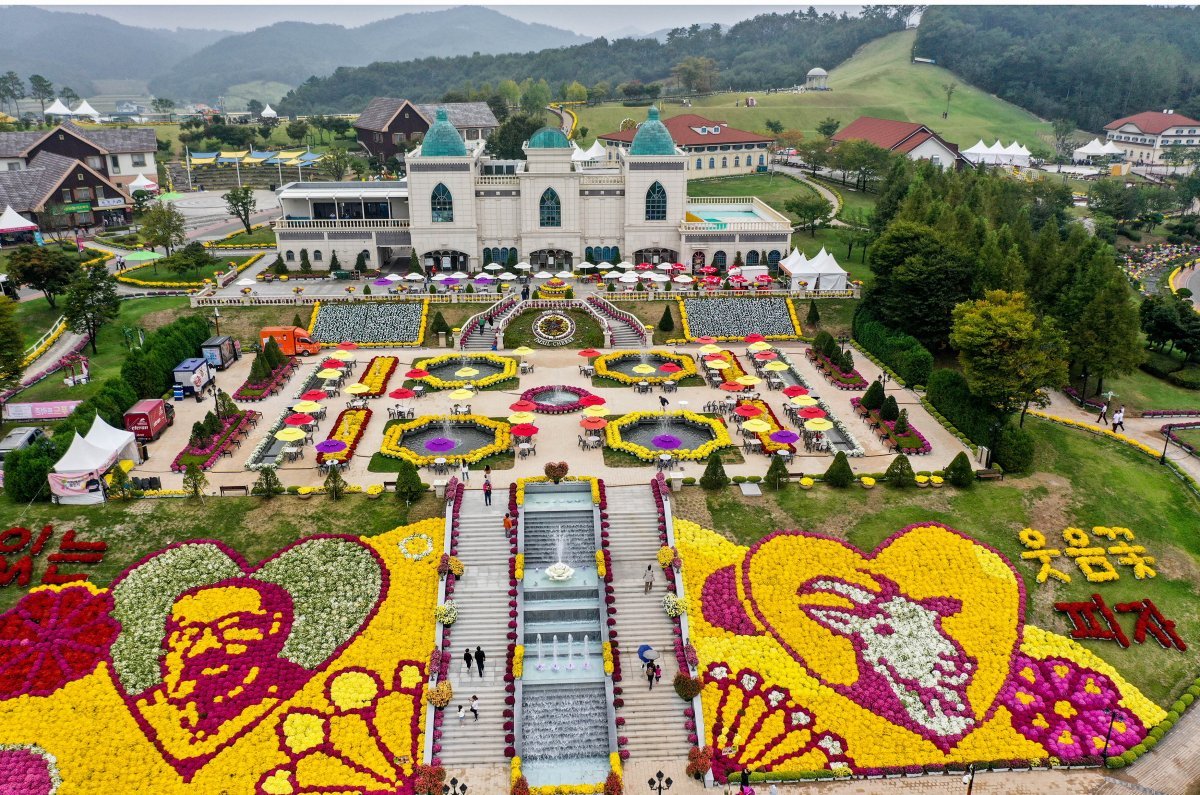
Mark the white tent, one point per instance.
(142, 183)
(12, 221)
(57, 108)
(1111, 148)
(120, 440)
(821, 272)
(1015, 155)
(1092, 148)
(593, 154)
(78, 476)
(976, 153)
(268, 113)
(85, 109)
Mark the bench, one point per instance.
(242, 490)
(989, 474)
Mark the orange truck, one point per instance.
(292, 340)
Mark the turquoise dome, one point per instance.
(653, 137)
(549, 138)
(443, 140)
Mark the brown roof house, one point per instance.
(909, 138)
(1146, 136)
(386, 125)
(714, 148)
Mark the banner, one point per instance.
(50, 410)
(83, 488)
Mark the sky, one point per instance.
(612, 19)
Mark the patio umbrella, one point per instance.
(523, 266)
(804, 400)
(564, 274)
(441, 277)
(333, 364)
(610, 275)
(381, 282)
(730, 386)
(401, 394)
(394, 277)
(524, 429)
(766, 356)
(584, 266)
(714, 357)
(523, 405)
(644, 369)
(307, 406)
(417, 372)
(705, 340)
(785, 437)
(753, 338)
(794, 391)
(762, 277)
(440, 445)
(681, 279)
(315, 394)
(593, 423)
(626, 264)
(358, 389)
(811, 413)
(543, 275)
(664, 266)
(289, 435)
(341, 355)
(706, 269)
(297, 420)
(246, 282)
(756, 426)
(466, 372)
(506, 276)
(331, 446)
(461, 394)
(590, 353)
(494, 266)
(746, 410)
(658, 278)
(628, 278)
(415, 277)
(749, 380)
(451, 282)
(718, 364)
(666, 441)
(709, 348)
(328, 373)
(670, 367)
(604, 266)
(592, 400)
(735, 271)
(643, 266)
(819, 425)
(524, 350)
(520, 417)
(775, 367)
(758, 346)
(483, 278)
(596, 411)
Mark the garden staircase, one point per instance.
(624, 333)
(654, 718)
(482, 599)
(482, 338)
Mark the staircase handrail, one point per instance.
(475, 321)
(620, 314)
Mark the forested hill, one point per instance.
(1090, 64)
(771, 50)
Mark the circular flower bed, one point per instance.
(554, 288)
(553, 329)
(558, 399)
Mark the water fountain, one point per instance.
(587, 651)
(559, 571)
(570, 652)
(541, 663)
(554, 667)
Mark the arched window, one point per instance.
(719, 260)
(773, 260)
(724, 162)
(656, 203)
(712, 162)
(487, 256)
(699, 163)
(441, 204)
(737, 161)
(762, 160)
(549, 209)
(317, 256)
(752, 258)
(290, 256)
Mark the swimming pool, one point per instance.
(715, 214)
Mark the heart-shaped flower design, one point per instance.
(209, 646)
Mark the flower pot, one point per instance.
(867, 485)
(305, 496)
(373, 496)
(806, 487)
(921, 485)
(938, 485)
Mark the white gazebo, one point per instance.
(1092, 148)
(268, 113)
(12, 221)
(57, 108)
(86, 110)
(142, 183)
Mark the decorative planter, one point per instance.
(806, 486)
(373, 496)
(937, 485)
(305, 496)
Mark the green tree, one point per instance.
(510, 91)
(41, 89)
(305, 262)
(600, 92)
(1104, 341)
(774, 127)
(45, 268)
(268, 484)
(296, 131)
(241, 204)
(777, 473)
(68, 95)
(12, 349)
(163, 225)
(1110, 197)
(1064, 131)
(335, 484)
(439, 324)
(839, 475)
(12, 89)
(575, 92)
(863, 159)
(409, 486)
(334, 264)
(900, 473)
(194, 481)
(890, 410)
(1008, 354)
(960, 472)
(872, 400)
(813, 318)
(164, 105)
(334, 163)
(827, 127)
(535, 98)
(696, 73)
(815, 152)
(25, 472)
(666, 323)
(810, 208)
(507, 140)
(91, 301)
(948, 89)
(254, 107)
(714, 476)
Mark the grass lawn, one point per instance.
(774, 189)
(277, 141)
(111, 346)
(164, 274)
(263, 235)
(879, 80)
(253, 526)
(852, 199)
(36, 317)
(1080, 481)
(67, 247)
(1140, 391)
(587, 331)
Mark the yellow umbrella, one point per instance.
(644, 369)
(329, 372)
(775, 367)
(749, 380)
(305, 406)
(461, 394)
(521, 416)
(342, 356)
(358, 389)
(709, 348)
(804, 400)
(289, 435)
(819, 424)
(758, 347)
(596, 411)
(717, 364)
(524, 350)
(466, 372)
(756, 426)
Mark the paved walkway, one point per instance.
(825, 193)
(1190, 279)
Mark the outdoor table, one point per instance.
(664, 461)
(524, 449)
(526, 367)
(669, 386)
(419, 389)
(593, 441)
(439, 464)
(588, 369)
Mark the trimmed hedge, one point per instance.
(948, 393)
(901, 352)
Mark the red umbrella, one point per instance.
(592, 400)
(401, 394)
(315, 394)
(713, 357)
(679, 266)
(334, 363)
(523, 405)
(756, 338)
(670, 367)
(766, 356)
(299, 419)
(524, 429)
(593, 423)
(763, 278)
(589, 353)
(730, 386)
(643, 266)
(746, 410)
(794, 391)
(347, 346)
(707, 269)
(706, 340)
(811, 413)
(417, 373)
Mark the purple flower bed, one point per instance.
(1092, 402)
(911, 442)
(1171, 413)
(249, 392)
(555, 408)
(211, 451)
(1169, 432)
(836, 376)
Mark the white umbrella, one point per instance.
(585, 266)
(541, 275)
(246, 282)
(629, 278)
(611, 275)
(664, 266)
(415, 277)
(605, 266)
(523, 266)
(495, 266)
(681, 279)
(564, 274)
(626, 264)
(441, 277)
(506, 276)
(734, 271)
(659, 277)
(394, 277)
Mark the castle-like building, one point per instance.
(461, 209)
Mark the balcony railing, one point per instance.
(497, 179)
(346, 223)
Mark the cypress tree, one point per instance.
(667, 323)
(777, 474)
(813, 318)
(890, 411)
(714, 476)
(873, 399)
(960, 472)
(900, 473)
(839, 475)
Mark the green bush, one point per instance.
(960, 472)
(825, 344)
(902, 422)
(439, 324)
(901, 352)
(890, 410)
(900, 473)
(948, 393)
(873, 399)
(1188, 378)
(777, 473)
(739, 478)
(667, 323)
(714, 476)
(839, 475)
(689, 481)
(1014, 449)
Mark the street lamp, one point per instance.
(842, 340)
(455, 787)
(216, 319)
(969, 779)
(1112, 718)
(658, 784)
(1162, 459)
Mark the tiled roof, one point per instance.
(886, 133)
(1152, 122)
(117, 140)
(382, 110)
(683, 129)
(12, 144)
(25, 189)
(378, 113)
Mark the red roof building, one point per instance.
(1146, 136)
(915, 140)
(714, 148)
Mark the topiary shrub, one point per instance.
(902, 422)
(900, 473)
(1014, 449)
(839, 475)
(667, 323)
(686, 687)
(439, 324)
(777, 473)
(714, 476)
(889, 411)
(873, 398)
(813, 318)
(960, 472)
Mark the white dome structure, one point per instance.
(817, 79)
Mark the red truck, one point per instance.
(292, 340)
(147, 419)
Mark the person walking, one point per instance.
(467, 661)
(487, 492)
(464, 471)
(657, 673)
(479, 659)
(462, 714)
(648, 578)
(475, 707)
(508, 523)
(1119, 419)
(650, 675)
(1103, 418)
(662, 401)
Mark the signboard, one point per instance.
(76, 207)
(113, 202)
(53, 410)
